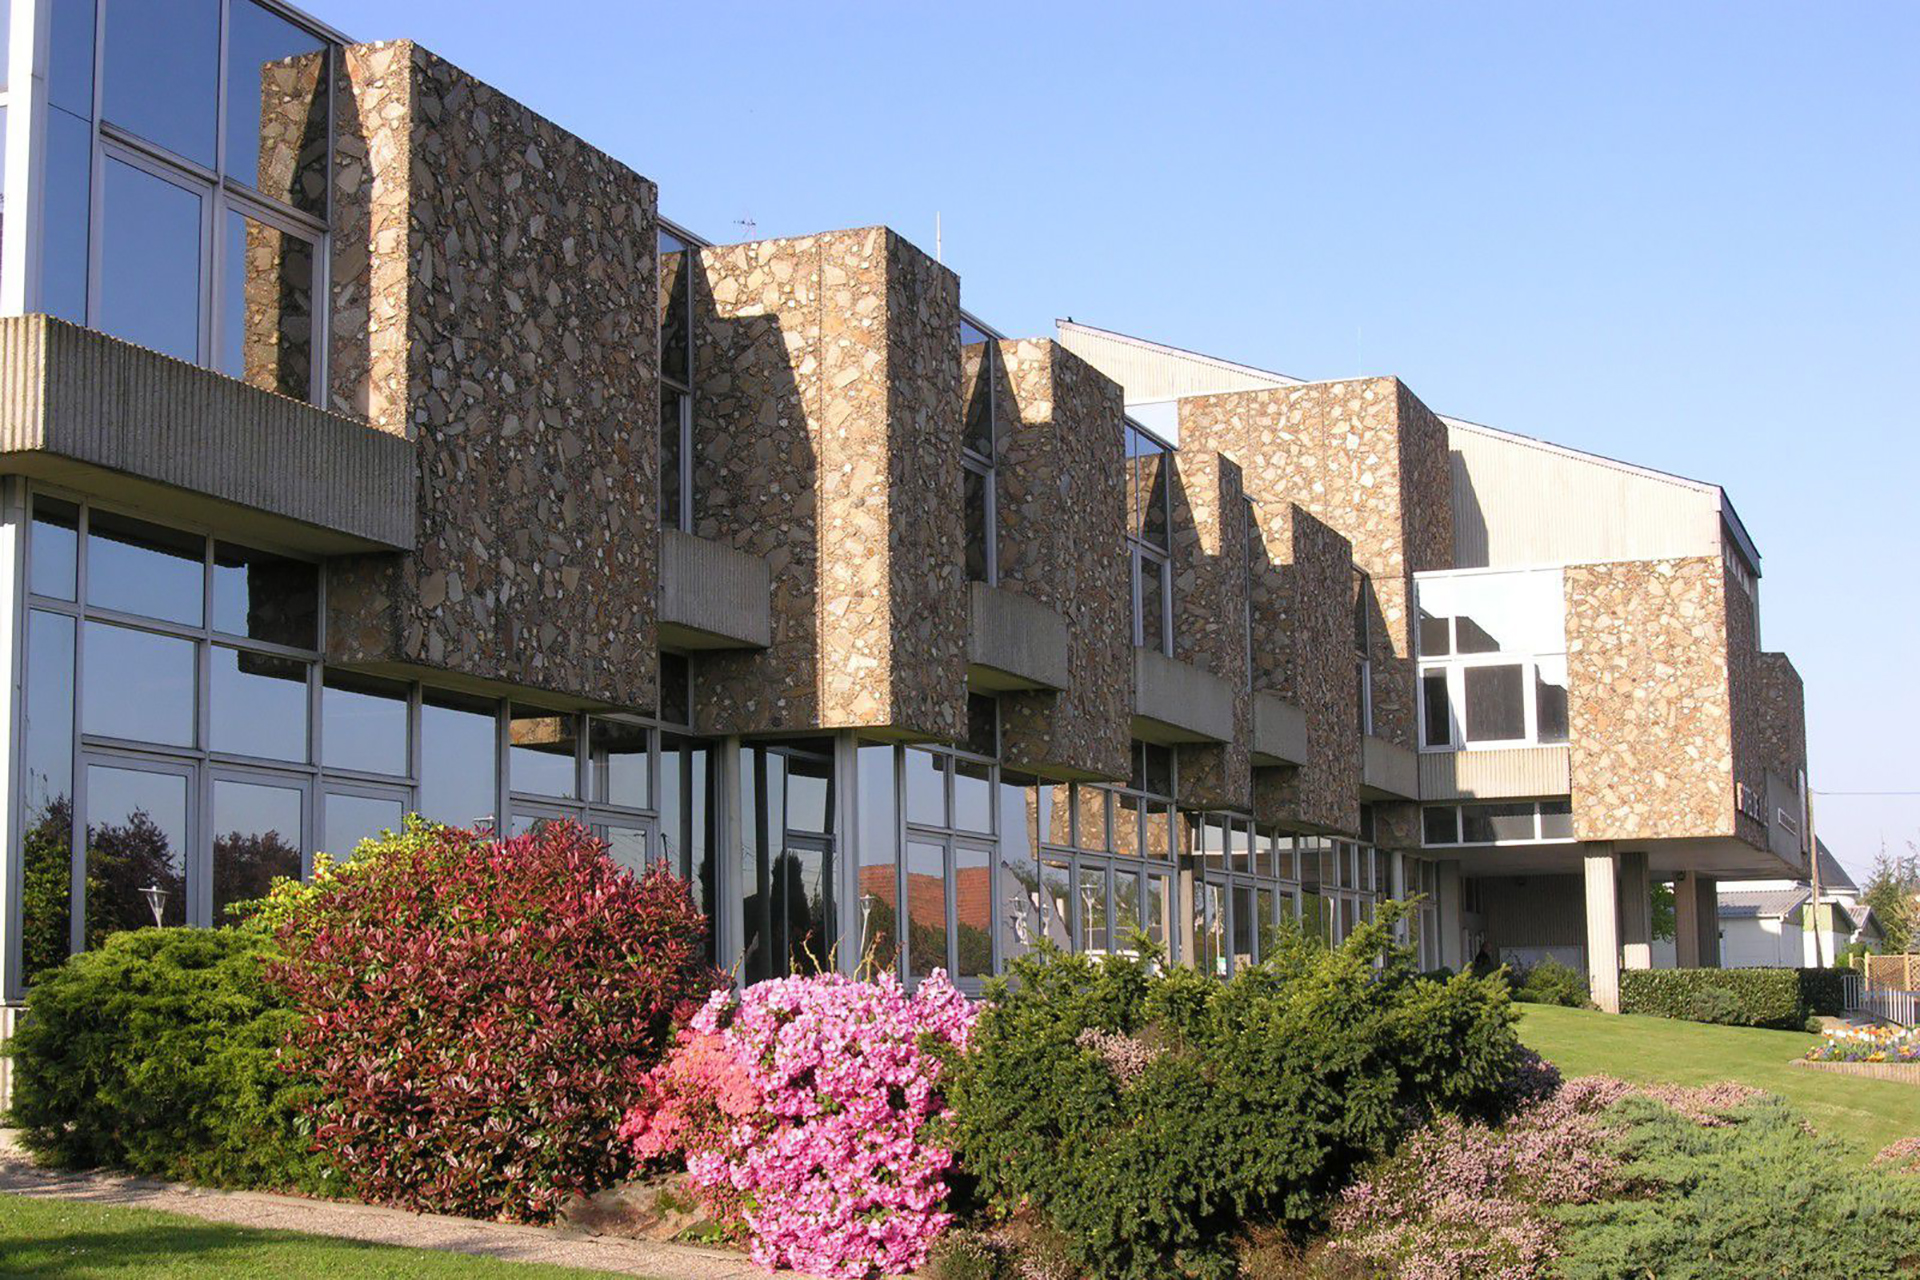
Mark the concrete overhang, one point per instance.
(1722, 857)
(1501, 774)
(1279, 731)
(1388, 771)
(712, 596)
(91, 413)
(1175, 702)
(1014, 642)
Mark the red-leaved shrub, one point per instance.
(478, 1014)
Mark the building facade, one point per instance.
(369, 446)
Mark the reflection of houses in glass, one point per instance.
(909, 644)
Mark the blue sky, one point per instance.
(1687, 235)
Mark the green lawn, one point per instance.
(1864, 1114)
(56, 1238)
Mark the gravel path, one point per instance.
(19, 1176)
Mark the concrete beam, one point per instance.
(1279, 731)
(1388, 771)
(1178, 702)
(1636, 913)
(1602, 869)
(712, 596)
(1015, 642)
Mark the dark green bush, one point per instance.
(1741, 997)
(1762, 1196)
(1152, 1115)
(1551, 982)
(158, 1052)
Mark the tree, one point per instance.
(1890, 891)
(1663, 912)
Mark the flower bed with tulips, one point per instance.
(1868, 1044)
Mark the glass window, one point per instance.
(627, 846)
(972, 796)
(542, 750)
(149, 284)
(266, 315)
(672, 437)
(458, 774)
(879, 854)
(256, 837)
(1266, 924)
(70, 57)
(676, 689)
(926, 787)
(1128, 923)
(1491, 823)
(676, 311)
(352, 818)
(617, 763)
(64, 227)
(1550, 699)
(1437, 709)
(1150, 607)
(1056, 904)
(55, 548)
(1090, 817)
(1496, 709)
(1556, 820)
(162, 69)
(926, 907)
(1019, 871)
(259, 705)
(1210, 928)
(136, 850)
(1245, 926)
(1160, 911)
(139, 686)
(276, 126)
(1095, 930)
(1440, 824)
(686, 811)
(364, 724)
(977, 374)
(265, 597)
(47, 836)
(973, 910)
(979, 529)
(1435, 638)
(135, 567)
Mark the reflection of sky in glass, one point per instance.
(259, 705)
(351, 819)
(139, 685)
(136, 568)
(162, 70)
(150, 262)
(456, 765)
(250, 808)
(363, 729)
(254, 38)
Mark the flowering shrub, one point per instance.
(476, 1014)
(800, 1108)
(1902, 1155)
(1868, 1044)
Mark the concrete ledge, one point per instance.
(1176, 702)
(93, 413)
(1279, 731)
(1388, 771)
(1015, 642)
(1904, 1072)
(711, 596)
(1495, 775)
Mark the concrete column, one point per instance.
(1707, 920)
(1686, 920)
(1602, 869)
(1636, 913)
(1447, 899)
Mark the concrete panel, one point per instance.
(1176, 702)
(1279, 731)
(1016, 642)
(1388, 770)
(100, 415)
(711, 596)
(1495, 775)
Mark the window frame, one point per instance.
(1453, 665)
(985, 465)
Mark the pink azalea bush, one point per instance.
(799, 1107)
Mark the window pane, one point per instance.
(1147, 497)
(141, 568)
(149, 283)
(671, 432)
(1496, 703)
(627, 846)
(972, 796)
(617, 763)
(70, 57)
(1056, 904)
(276, 107)
(977, 529)
(541, 750)
(266, 597)
(676, 305)
(879, 852)
(47, 836)
(1126, 825)
(457, 769)
(1160, 911)
(977, 379)
(259, 705)
(1550, 699)
(1245, 926)
(1437, 708)
(55, 548)
(1240, 848)
(266, 315)
(1150, 608)
(256, 836)
(351, 819)
(138, 686)
(926, 908)
(1487, 823)
(136, 850)
(1210, 928)
(364, 724)
(676, 689)
(1127, 921)
(804, 934)
(1091, 886)
(63, 256)
(926, 787)
(1019, 907)
(162, 72)
(1266, 929)
(1090, 817)
(1433, 635)
(973, 910)
(1556, 820)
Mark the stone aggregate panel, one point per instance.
(1210, 617)
(1062, 525)
(1748, 712)
(1303, 651)
(827, 441)
(1650, 703)
(1783, 717)
(494, 301)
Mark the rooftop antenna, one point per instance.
(938, 254)
(747, 224)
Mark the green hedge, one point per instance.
(1735, 997)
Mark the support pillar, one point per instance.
(1602, 873)
(1707, 920)
(1686, 920)
(1636, 913)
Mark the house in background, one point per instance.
(1770, 923)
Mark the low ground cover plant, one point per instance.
(476, 1015)
(1150, 1115)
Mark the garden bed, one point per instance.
(1905, 1072)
